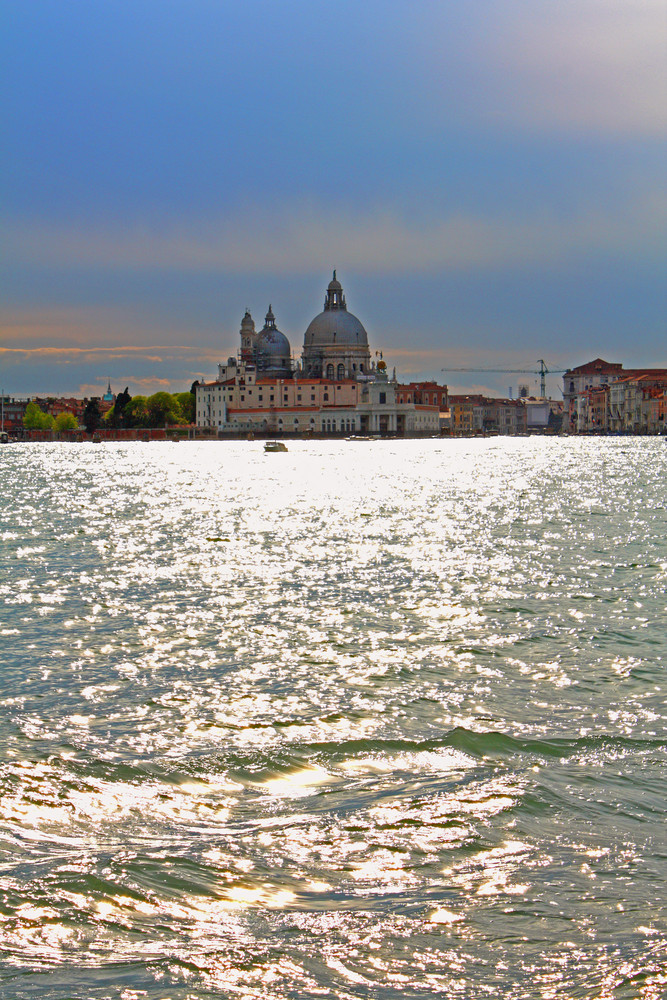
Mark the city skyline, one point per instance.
(490, 189)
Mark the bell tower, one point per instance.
(248, 337)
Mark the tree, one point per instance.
(186, 405)
(122, 399)
(162, 409)
(91, 415)
(66, 422)
(136, 412)
(34, 419)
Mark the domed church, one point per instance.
(335, 389)
(335, 345)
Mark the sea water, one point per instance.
(362, 719)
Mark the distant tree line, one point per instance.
(128, 411)
(35, 419)
(151, 411)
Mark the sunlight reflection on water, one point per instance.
(353, 718)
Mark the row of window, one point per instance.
(400, 398)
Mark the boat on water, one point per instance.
(4, 437)
(274, 446)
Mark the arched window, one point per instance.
(341, 371)
(330, 371)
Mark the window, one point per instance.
(383, 397)
(341, 371)
(312, 397)
(330, 371)
(326, 395)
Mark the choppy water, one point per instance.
(361, 720)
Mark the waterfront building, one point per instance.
(601, 397)
(462, 422)
(427, 393)
(637, 404)
(500, 416)
(335, 389)
(12, 412)
(543, 415)
(579, 380)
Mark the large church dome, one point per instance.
(335, 343)
(335, 325)
(340, 327)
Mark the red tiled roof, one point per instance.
(598, 366)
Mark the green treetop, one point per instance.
(66, 422)
(35, 419)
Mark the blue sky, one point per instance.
(488, 177)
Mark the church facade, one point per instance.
(336, 389)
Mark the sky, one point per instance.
(487, 177)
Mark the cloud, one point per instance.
(138, 386)
(64, 335)
(306, 237)
(85, 354)
(591, 66)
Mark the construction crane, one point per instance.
(542, 371)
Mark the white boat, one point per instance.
(274, 446)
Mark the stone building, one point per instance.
(336, 389)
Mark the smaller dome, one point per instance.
(273, 342)
(272, 348)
